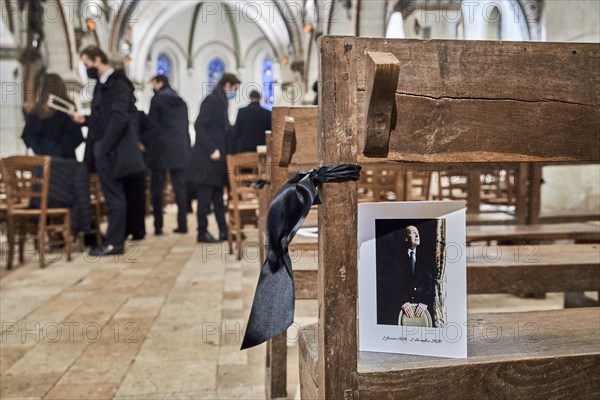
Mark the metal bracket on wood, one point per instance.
(288, 146)
(383, 70)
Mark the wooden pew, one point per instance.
(579, 232)
(511, 355)
(301, 155)
(511, 269)
(291, 147)
(447, 105)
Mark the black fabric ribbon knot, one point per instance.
(273, 307)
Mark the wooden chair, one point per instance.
(98, 206)
(378, 182)
(498, 187)
(27, 179)
(242, 206)
(369, 111)
(418, 186)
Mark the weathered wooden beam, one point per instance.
(472, 101)
(288, 145)
(382, 78)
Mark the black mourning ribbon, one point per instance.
(273, 307)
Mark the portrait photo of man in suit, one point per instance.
(407, 268)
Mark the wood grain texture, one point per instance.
(547, 354)
(307, 344)
(460, 109)
(522, 192)
(382, 78)
(288, 144)
(479, 101)
(535, 193)
(337, 274)
(533, 268)
(265, 194)
(304, 157)
(534, 233)
(275, 376)
(505, 269)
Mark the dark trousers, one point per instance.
(206, 196)
(114, 195)
(158, 187)
(190, 188)
(135, 195)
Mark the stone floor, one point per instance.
(163, 321)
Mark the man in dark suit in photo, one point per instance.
(250, 126)
(405, 276)
(169, 111)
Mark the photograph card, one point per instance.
(412, 286)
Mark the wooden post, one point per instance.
(521, 181)
(535, 193)
(474, 190)
(275, 383)
(338, 274)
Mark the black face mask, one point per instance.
(92, 73)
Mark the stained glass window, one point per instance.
(268, 96)
(216, 69)
(163, 65)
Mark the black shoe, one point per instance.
(106, 250)
(207, 238)
(158, 232)
(222, 236)
(137, 237)
(179, 230)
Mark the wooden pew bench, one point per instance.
(305, 270)
(511, 355)
(505, 269)
(578, 232)
(412, 101)
(291, 147)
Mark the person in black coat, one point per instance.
(113, 110)
(250, 126)
(405, 275)
(208, 167)
(49, 132)
(135, 185)
(169, 111)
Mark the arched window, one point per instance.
(268, 95)
(494, 25)
(163, 65)
(216, 69)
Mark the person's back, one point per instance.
(250, 126)
(54, 136)
(208, 168)
(170, 112)
(49, 132)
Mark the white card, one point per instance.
(412, 259)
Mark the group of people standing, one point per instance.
(123, 144)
